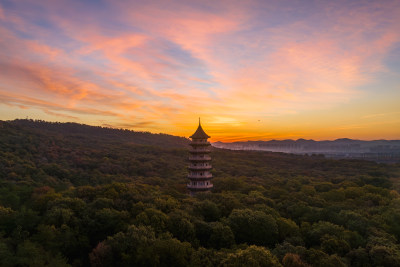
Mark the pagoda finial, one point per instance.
(200, 134)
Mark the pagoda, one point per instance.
(200, 163)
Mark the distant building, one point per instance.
(200, 163)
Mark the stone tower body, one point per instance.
(200, 163)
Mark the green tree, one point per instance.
(221, 236)
(252, 256)
(254, 227)
(180, 226)
(207, 209)
(287, 228)
(155, 218)
(293, 260)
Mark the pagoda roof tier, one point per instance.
(196, 158)
(200, 143)
(200, 168)
(200, 187)
(199, 180)
(200, 148)
(195, 151)
(197, 177)
(195, 180)
(199, 134)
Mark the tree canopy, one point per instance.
(76, 195)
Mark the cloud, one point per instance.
(377, 115)
(1, 13)
(167, 63)
(61, 115)
(17, 100)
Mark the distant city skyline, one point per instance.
(252, 70)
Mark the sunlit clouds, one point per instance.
(251, 69)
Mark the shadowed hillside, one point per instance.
(98, 134)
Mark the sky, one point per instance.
(252, 70)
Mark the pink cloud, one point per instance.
(2, 16)
(17, 100)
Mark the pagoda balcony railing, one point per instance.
(198, 176)
(200, 150)
(200, 186)
(199, 158)
(208, 167)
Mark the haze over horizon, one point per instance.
(253, 70)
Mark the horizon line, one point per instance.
(221, 140)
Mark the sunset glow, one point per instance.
(252, 70)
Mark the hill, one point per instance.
(96, 134)
(76, 195)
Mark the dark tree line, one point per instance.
(75, 195)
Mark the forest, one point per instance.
(78, 195)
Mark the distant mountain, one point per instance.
(378, 150)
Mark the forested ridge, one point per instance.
(77, 195)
